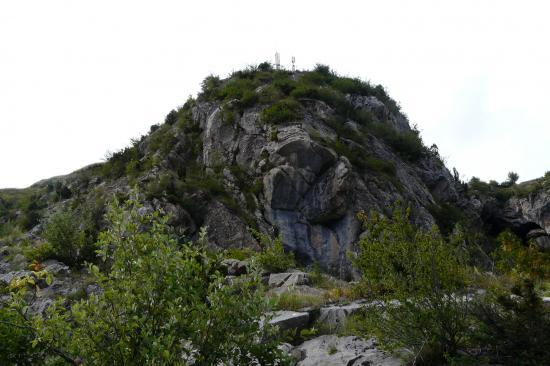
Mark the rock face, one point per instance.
(285, 320)
(334, 316)
(311, 194)
(288, 279)
(331, 350)
(528, 216)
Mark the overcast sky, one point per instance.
(79, 78)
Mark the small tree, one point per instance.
(517, 260)
(511, 180)
(67, 240)
(514, 326)
(418, 277)
(161, 303)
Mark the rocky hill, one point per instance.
(270, 153)
(298, 154)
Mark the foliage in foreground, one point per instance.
(418, 276)
(425, 306)
(161, 303)
(516, 328)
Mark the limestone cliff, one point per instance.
(296, 154)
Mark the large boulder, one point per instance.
(285, 320)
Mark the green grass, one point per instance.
(289, 300)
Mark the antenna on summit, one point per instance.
(293, 63)
(277, 60)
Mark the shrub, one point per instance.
(265, 66)
(210, 87)
(236, 88)
(512, 179)
(446, 216)
(117, 162)
(424, 274)
(273, 257)
(15, 340)
(67, 239)
(171, 117)
(285, 85)
(476, 184)
(31, 206)
(514, 326)
(362, 160)
(286, 110)
(144, 315)
(270, 94)
(406, 144)
(521, 261)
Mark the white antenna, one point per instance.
(277, 60)
(293, 62)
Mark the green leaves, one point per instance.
(419, 277)
(161, 302)
(273, 257)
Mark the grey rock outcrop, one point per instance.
(288, 279)
(380, 110)
(234, 267)
(285, 320)
(529, 216)
(334, 316)
(331, 350)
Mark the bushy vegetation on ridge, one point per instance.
(282, 92)
(503, 191)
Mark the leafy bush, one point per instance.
(171, 117)
(446, 216)
(67, 239)
(116, 164)
(273, 257)
(15, 340)
(286, 110)
(144, 316)
(265, 66)
(514, 326)
(419, 278)
(31, 206)
(521, 261)
(209, 87)
(406, 144)
(512, 179)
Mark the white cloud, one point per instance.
(80, 78)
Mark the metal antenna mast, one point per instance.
(293, 63)
(277, 60)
